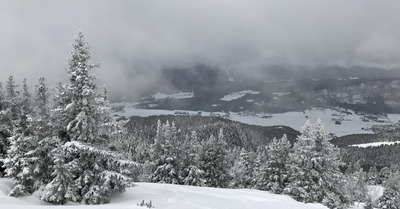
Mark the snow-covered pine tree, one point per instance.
(258, 171)
(192, 174)
(59, 190)
(79, 118)
(26, 102)
(372, 176)
(213, 162)
(42, 98)
(391, 195)
(242, 171)
(164, 155)
(4, 143)
(356, 183)
(276, 175)
(314, 174)
(20, 159)
(46, 142)
(9, 114)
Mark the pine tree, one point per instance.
(356, 183)
(4, 143)
(372, 176)
(242, 171)
(166, 162)
(80, 118)
(213, 162)
(60, 189)
(391, 195)
(9, 114)
(26, 103)
(276, 175)
(42, 98)
(314, 174)
(192, 174)
(20, 161)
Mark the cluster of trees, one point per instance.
(309, 170)
(60, 145)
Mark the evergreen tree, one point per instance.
(20, 159)
(166, 162)
(276, 176)
(242, 171)
(4, 143)
(314, 174)
(213, 162)
(26, 103)
(391, 195)
(80, 116)
(356, 183)
(192, 174)
(42, 98)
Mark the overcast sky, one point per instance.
(133, 39)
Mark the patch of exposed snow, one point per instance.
(279, 94)
(237, 95)
(230, 79)
(374, 144)
(179, 95)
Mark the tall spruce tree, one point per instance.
(391, 195)
(314, 174)
(80, 116)
(275, 175)
(214, 163)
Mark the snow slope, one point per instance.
(165, 196)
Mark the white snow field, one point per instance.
(350, 124)
(179, 95)
(166, 196)
(237, 95)
(374, 144)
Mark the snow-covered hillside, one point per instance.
(165, 196)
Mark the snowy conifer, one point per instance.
(242, 171)
(391, 195)
(191, 174)
(314, 174)
(26, 103)
(213, 162)
(20, 161)
(80, 117)
(166, 162)
(356, 184)
(275, 170)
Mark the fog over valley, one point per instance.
(135, 40)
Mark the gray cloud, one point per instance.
(134, 39)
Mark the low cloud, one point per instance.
(135, 39)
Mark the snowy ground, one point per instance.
(179, 95)
(350, 124)
(237, 95)
(165, 196)
(374, 144)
